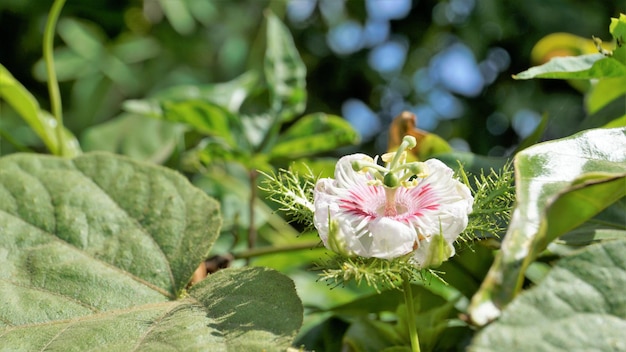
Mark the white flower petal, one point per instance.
(391, 238)
(345, 176)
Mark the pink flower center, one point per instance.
(391, 208)
(399, 203)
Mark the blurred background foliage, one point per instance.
(449, 62)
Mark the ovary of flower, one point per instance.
(415, 216)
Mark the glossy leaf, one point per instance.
(313, 134)
(579, 306)
(580, 175)
(591, 66)
(284, 71)
(25, 104)
(136, 136)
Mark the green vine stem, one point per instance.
(53, 84)
(410, 307)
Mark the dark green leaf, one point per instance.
(473, 163)
(324, 336)
(313, 134)
(387, 301)
(366, 335)
(579, 306)
(254, 309)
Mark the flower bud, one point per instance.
(336, 243)
(437, 251)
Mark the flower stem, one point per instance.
(410, 307)
(53, 84)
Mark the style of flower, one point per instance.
(414, 210)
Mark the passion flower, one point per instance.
(403, 209)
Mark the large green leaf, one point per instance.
(250, 309)
(107, 212)
(97, 252)
(591, 66)
(313, 134)
(284, 71)
(25, 104)
(559, 185)
(579, 306)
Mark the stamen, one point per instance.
(390, 203)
